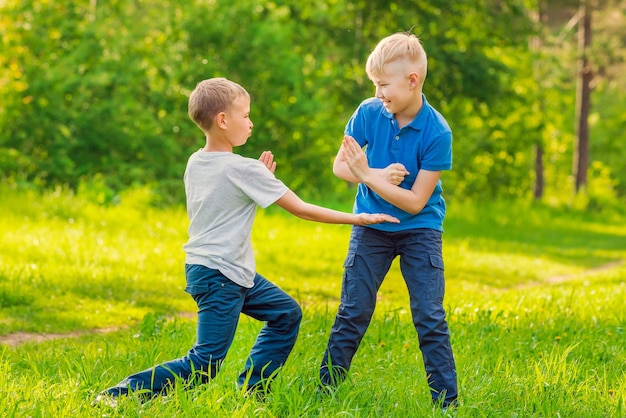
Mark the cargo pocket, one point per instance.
(349, 261)
(348, 287)
(436, 284)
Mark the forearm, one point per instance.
(411, 201)
(310, 212)
(407, 200)
(341, 170)
(404, 199)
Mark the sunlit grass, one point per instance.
(80, 265)
(535, 300)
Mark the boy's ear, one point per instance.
(414, 79)
(220, 120)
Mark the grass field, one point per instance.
(536, 301)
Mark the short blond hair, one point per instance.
(397, 47)
(211, 97)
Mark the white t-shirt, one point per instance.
(223, 190)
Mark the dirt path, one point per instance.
(567, 277)
(17, 338)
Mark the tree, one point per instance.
(583, 96)
(536, 46)
(598, 67)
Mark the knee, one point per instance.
(287, 318)
(431, 320)
(361, 315)
(295, 314)
(292, 317)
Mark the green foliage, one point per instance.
(99, 89)
(90, 99)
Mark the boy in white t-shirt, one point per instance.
(223, 190)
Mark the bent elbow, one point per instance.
(343, 173)
(414, 209)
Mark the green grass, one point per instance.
(535, 299)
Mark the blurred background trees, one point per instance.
(97, 91)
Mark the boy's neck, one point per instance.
(407, 115)
(213, 145)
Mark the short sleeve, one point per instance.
(438, 153)
(356, 126)
(260, 184)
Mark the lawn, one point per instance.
(535, 299)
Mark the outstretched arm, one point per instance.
(296, 206)
(412, 201)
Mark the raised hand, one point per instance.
(355, 158)
(267, 158)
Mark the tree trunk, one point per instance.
(536, 45)
(583, 99)
(539, 179)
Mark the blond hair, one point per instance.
(211, 97)
(397, 47)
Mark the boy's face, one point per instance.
(238, 123)
(395, 87)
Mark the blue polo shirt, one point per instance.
(425, 143)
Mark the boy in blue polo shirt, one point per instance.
(407, 145)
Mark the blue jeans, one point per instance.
(220, 303)
(369, 258)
